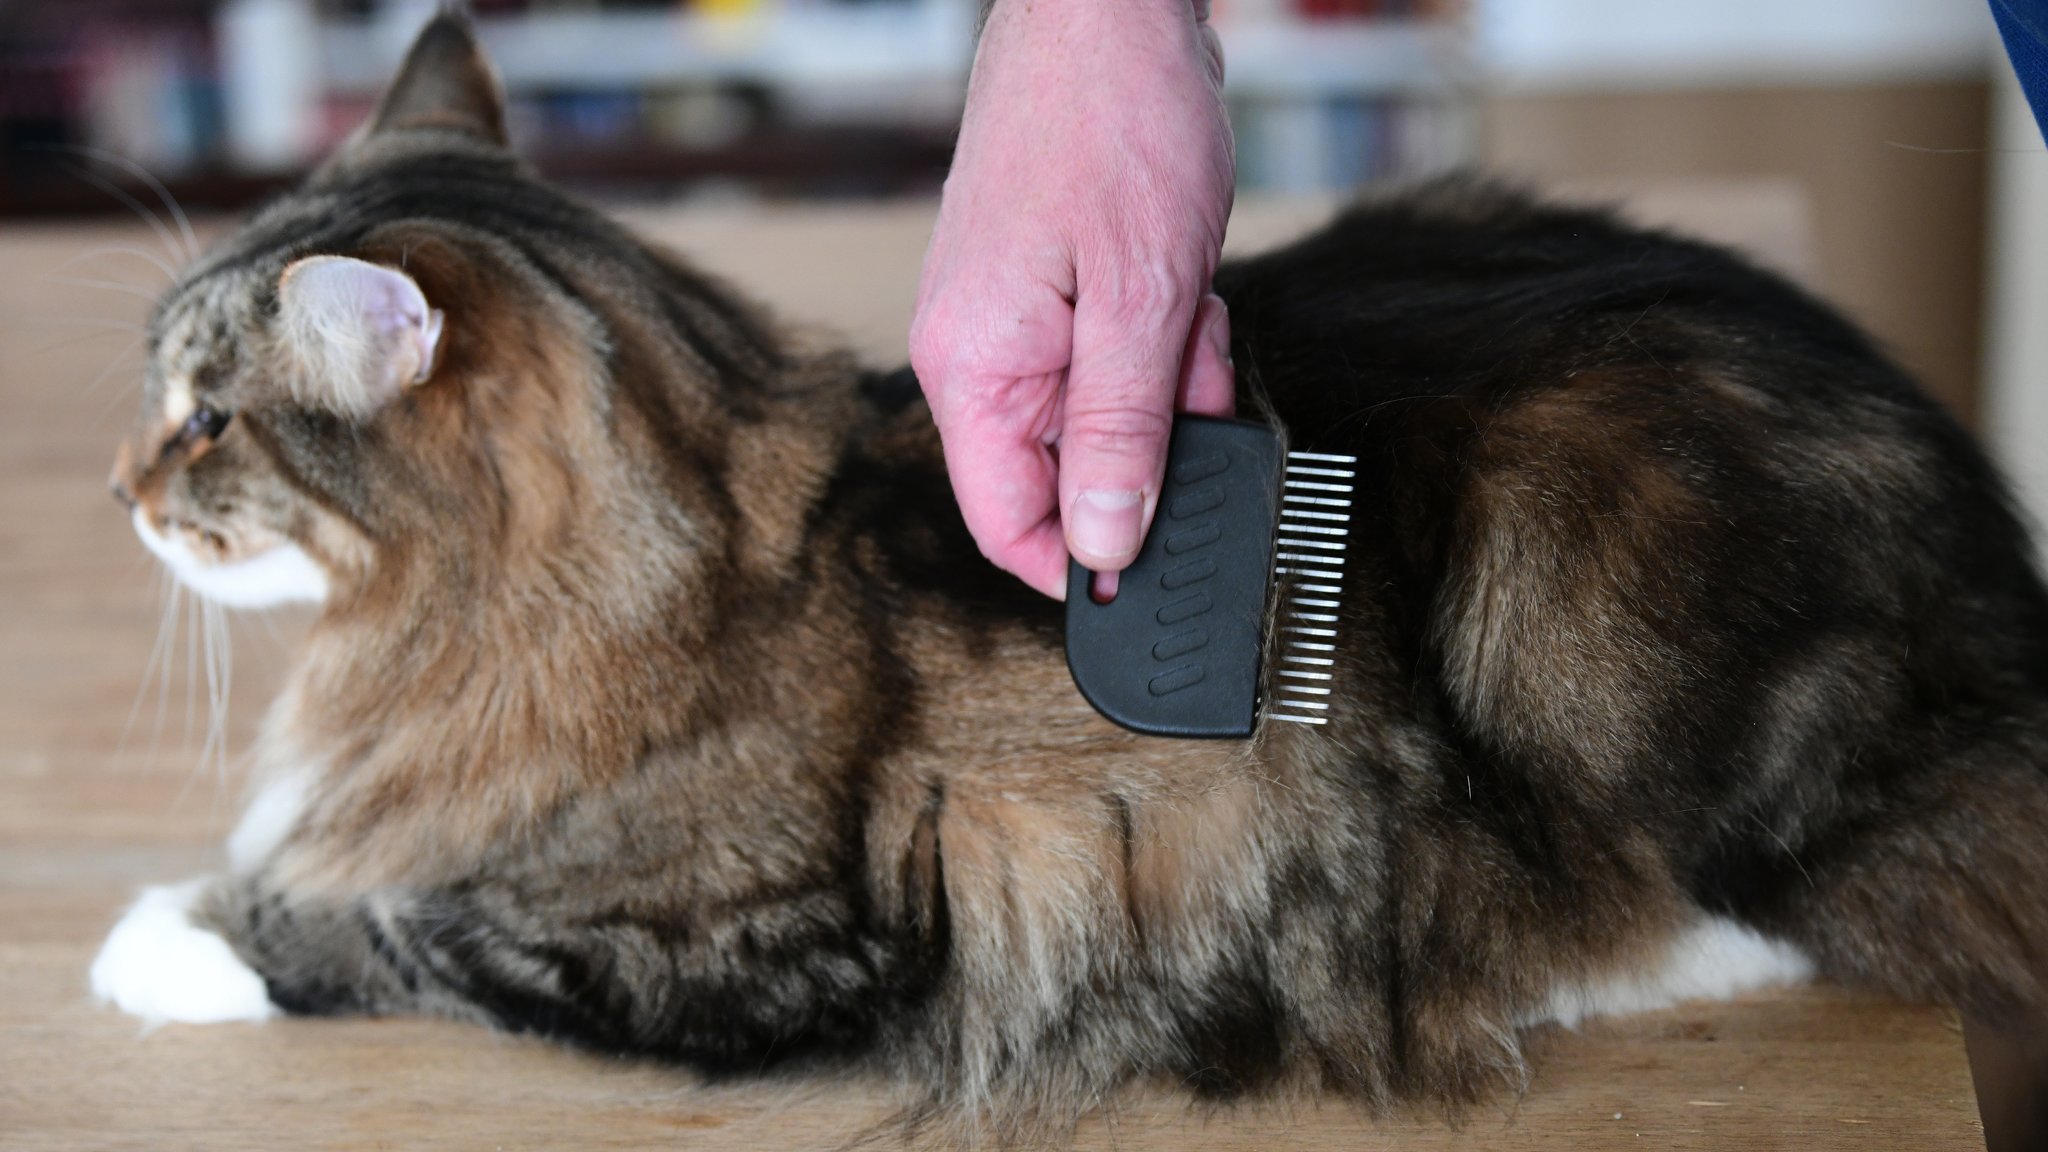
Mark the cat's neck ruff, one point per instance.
(460, 709)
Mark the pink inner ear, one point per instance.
(391, 303)
(367, 328)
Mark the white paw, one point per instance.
(158, 965)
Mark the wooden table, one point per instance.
(102, 789)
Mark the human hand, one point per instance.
(1064, 313)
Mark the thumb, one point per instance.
(1117, 417)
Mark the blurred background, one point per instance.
(770, 97)
(1864, 123)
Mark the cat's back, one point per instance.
(1468, 286)
(1470, 343)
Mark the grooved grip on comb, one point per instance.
(1177, 652)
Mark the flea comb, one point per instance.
(1179, 650)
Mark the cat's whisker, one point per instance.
(149, 669)
(206, 665)
(268, 619)
(217, 657)
(224, 658)
(136, 336)
(150, 258)
(97, 323)
(163, 659)
(114, 250)
(163, 194)
(141, 210)
(121, 286)
(113, 401)
(194, 640)
(191, 668)
(120, 357)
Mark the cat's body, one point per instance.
(661, 703)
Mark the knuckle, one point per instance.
(1126, 432)
(1149, 294)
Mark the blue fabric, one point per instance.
(2024, 24)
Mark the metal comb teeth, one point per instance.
(1314, 530)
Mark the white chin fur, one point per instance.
(1714, 959)
(158, 965)
(281, 575)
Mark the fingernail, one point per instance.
(1106, 524)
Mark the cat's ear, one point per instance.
(446, 82)
(358, 333)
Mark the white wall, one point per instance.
(1605, 44)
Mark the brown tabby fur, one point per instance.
(661, 703)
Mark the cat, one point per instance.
(659, 701)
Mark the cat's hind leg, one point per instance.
(1931, 881)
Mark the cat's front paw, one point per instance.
(160, 966)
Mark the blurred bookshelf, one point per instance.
(229, 100)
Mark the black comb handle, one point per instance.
(1177, 652)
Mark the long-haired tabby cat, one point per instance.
(659, 702)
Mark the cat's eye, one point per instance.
(205, 423)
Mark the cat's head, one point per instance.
(416, 357)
